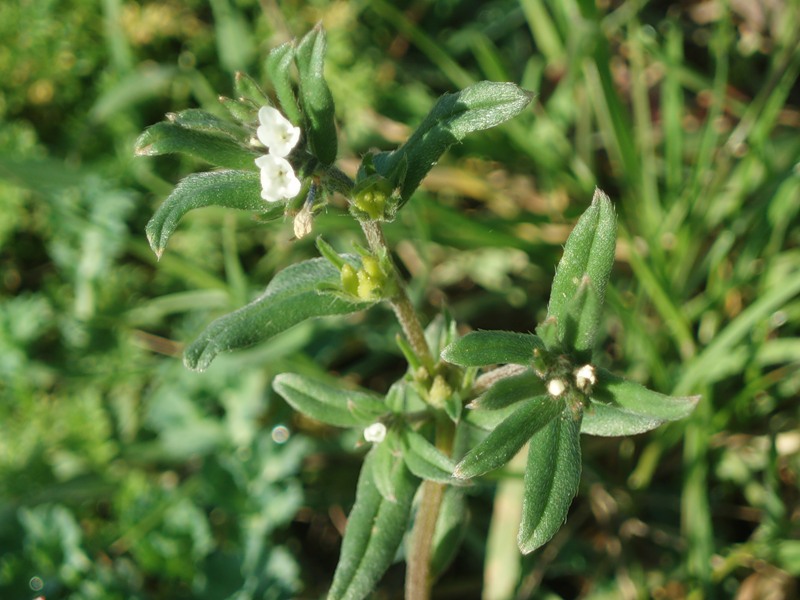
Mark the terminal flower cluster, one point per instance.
(278, 180)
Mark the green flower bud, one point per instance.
(371, 196)
(350, 280)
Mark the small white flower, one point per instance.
(278, 180)
(585, 378)
(556, 387)
(276, 132)
(375, 433)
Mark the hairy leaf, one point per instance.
(315, 96)
(375, 528)
(551, 480)
(450, 530)
(201, 120)
(231, 189)
(328, 403)
(279, 69)
(508, 437)
(621, 407)
(424, 460)
(510, 390)
(481, 348)
(579, 286)
(388, 461)
(215, 149)
(290, 298)
(480, 106)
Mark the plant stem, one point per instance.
(418, 573)
(400, 302)
(418, 558)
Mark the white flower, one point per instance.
(278, 180)
(375, 433)
(276, 132)
(556, 387)
(585, 378)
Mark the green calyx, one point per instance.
(372, 199)
(373, 281)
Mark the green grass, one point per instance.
(120, 472)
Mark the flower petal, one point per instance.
(276, 132)
(278, 180)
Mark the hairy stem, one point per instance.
(418, 558)
(418, 573)
(401, 304)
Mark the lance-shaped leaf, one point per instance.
(424, 460)
(450, 530)
(579, 286)
(290, 298)
(215, 149)
(231, 189)
(279, 69)
(480, 106)
(510, 390)
(201, 120)
(387, 463)
(247, 88)
(375, 528)
(621, 407)
(328, 403)
(508, 437)
(552, 476)
(481, 348)
(315, 96)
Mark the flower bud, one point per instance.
(556, 387)
(375, 433)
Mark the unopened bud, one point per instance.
(375, 433)
(556, 387)
(585, 378)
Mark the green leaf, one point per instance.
(450, 530)
(621, 407)
(579, 286)
(480, 106)
(279, 69)
(328, 403)
(247, 88)
(290, 298)
(508, 437)
(215, 149)
(375, 528)
(551, 480)
(388, 461)
(424, 460)
(488, 420)
(201, 120)
(481, 348)
(510, 390)
(231, 189)
(315, 96)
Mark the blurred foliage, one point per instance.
(124, 476)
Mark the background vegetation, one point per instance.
(122, 475)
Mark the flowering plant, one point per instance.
(537, 390)
(278, 181)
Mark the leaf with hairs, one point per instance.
(230, 189)
(290, 298)
(375, 528)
